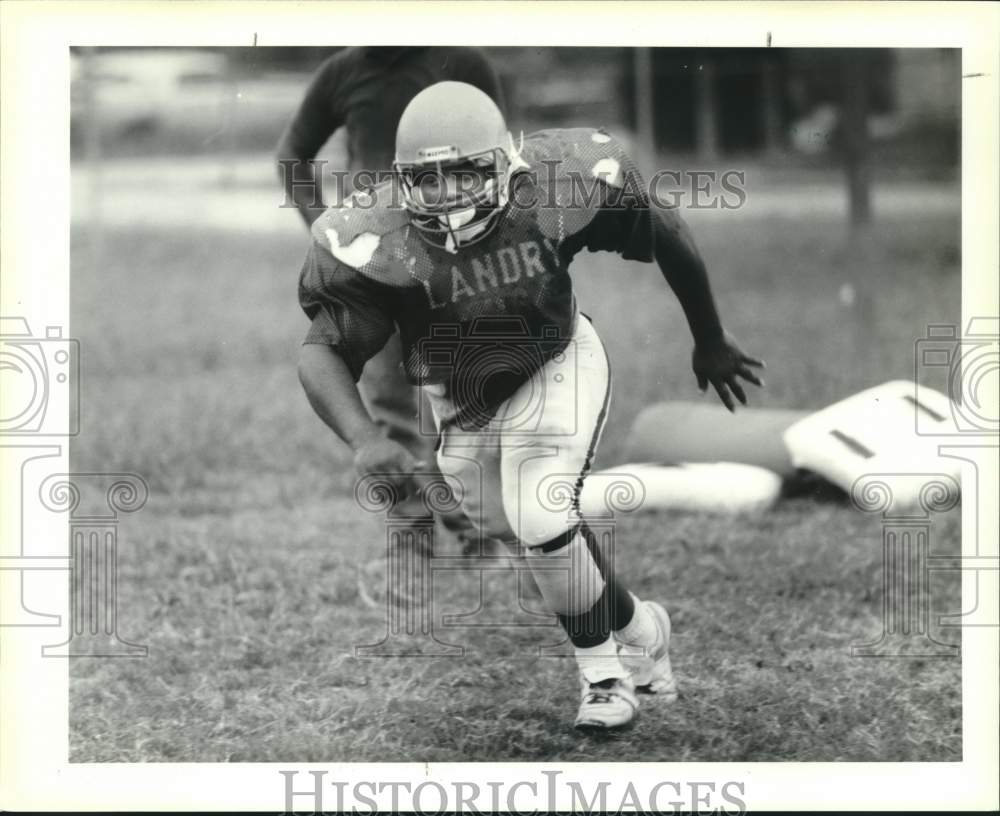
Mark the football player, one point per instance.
(364, 91)
(466, 251)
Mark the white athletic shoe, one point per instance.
(608, 704)
(651, 670)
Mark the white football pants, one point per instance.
(519, 476)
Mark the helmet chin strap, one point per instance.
(456, 219)
(458, 232)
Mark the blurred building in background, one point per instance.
(771, 104)
(754, 101)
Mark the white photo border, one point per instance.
(36, 36)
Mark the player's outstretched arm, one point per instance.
(717, 359)
(334, 396)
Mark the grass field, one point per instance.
(239, 573)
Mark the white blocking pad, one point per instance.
(876, 432)
(718, 487)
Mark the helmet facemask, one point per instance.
(453, 200)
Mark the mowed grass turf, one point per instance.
(240, 573)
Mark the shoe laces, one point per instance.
(599, 692)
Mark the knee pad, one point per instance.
(538, 485)
(566, 574)
(536, 527)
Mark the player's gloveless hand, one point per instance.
(723, 364)
(391, 462)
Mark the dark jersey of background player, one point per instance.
(366, 89)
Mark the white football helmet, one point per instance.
(454, 161)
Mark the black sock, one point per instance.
(591, 628)
(621, 605)
(613, 609)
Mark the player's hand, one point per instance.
(723, 364)
(391, 462)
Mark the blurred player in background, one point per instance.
(365, 90)
(472, 270)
